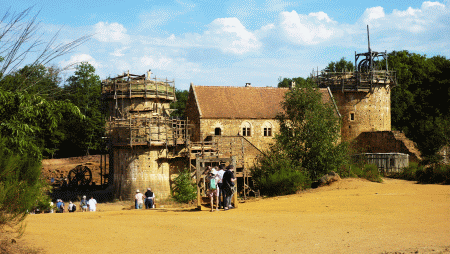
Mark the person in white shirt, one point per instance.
(220, 185)
(139, 200)
(92, 203)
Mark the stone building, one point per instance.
(143, 140)
(239, 120)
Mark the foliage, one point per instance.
(437, 173)
(29, 122)
(301, 82)
(180, 104)
(367, 171)
(82, 136)
(275, 175)
(21, 188)
(310, 131)
(408, 173)
(340, 66)
(184, 190)
(38, 80)
(421, 98)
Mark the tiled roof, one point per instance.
(241, 102)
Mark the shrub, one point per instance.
(371, 173)
(367, 171)
(276, 175)
(21, 188)
(436, 173)
(184, 190)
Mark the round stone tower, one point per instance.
(141, 134)
(363, 97)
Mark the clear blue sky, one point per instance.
(231, 43)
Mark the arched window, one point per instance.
(246, 129)
(217, 131)
(267, 129)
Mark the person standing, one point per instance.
(213, 189)
(60, 206)
(220, 185)
(139, 200)
(149, 198)
(84, 204)
(92, 203)
(228, 184)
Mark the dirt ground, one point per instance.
(349, 216)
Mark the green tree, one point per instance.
(180, 104)
(340, 66)
(310, 131)
(184, 190)
(420, 100)
(299, 81)
(83, 137)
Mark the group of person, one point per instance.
(148, 199)
(221, 186)
(85, 204)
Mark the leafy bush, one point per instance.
(408, 173)
(21, 188)
(276, 175)
(367, 171)
(436, 173)
(184, 190)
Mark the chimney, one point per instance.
(248, 85)
(292, 85)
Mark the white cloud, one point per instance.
(306, 29)
(79, 58)
(119, 52)
(229, 35)
(373, 14)
(113, 32)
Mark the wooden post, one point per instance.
(199, 196)
(235, 200)
(101, 169)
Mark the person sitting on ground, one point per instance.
(149, 199)
(139, 200)
(213, 179)
(84, 204)
(92, 203)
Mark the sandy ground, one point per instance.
(350, 216)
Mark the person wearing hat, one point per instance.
(139, 200)
(213, 180)
(84, 204)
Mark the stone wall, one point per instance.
(233, 127)
(385, 142)
(363, 112)
(140, 168)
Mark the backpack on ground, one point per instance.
(74, 208)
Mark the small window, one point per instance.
(217, 131)
(352, 116)
(267, 129)
(246, 129)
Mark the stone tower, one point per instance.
(363, 96)
(142, 136)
